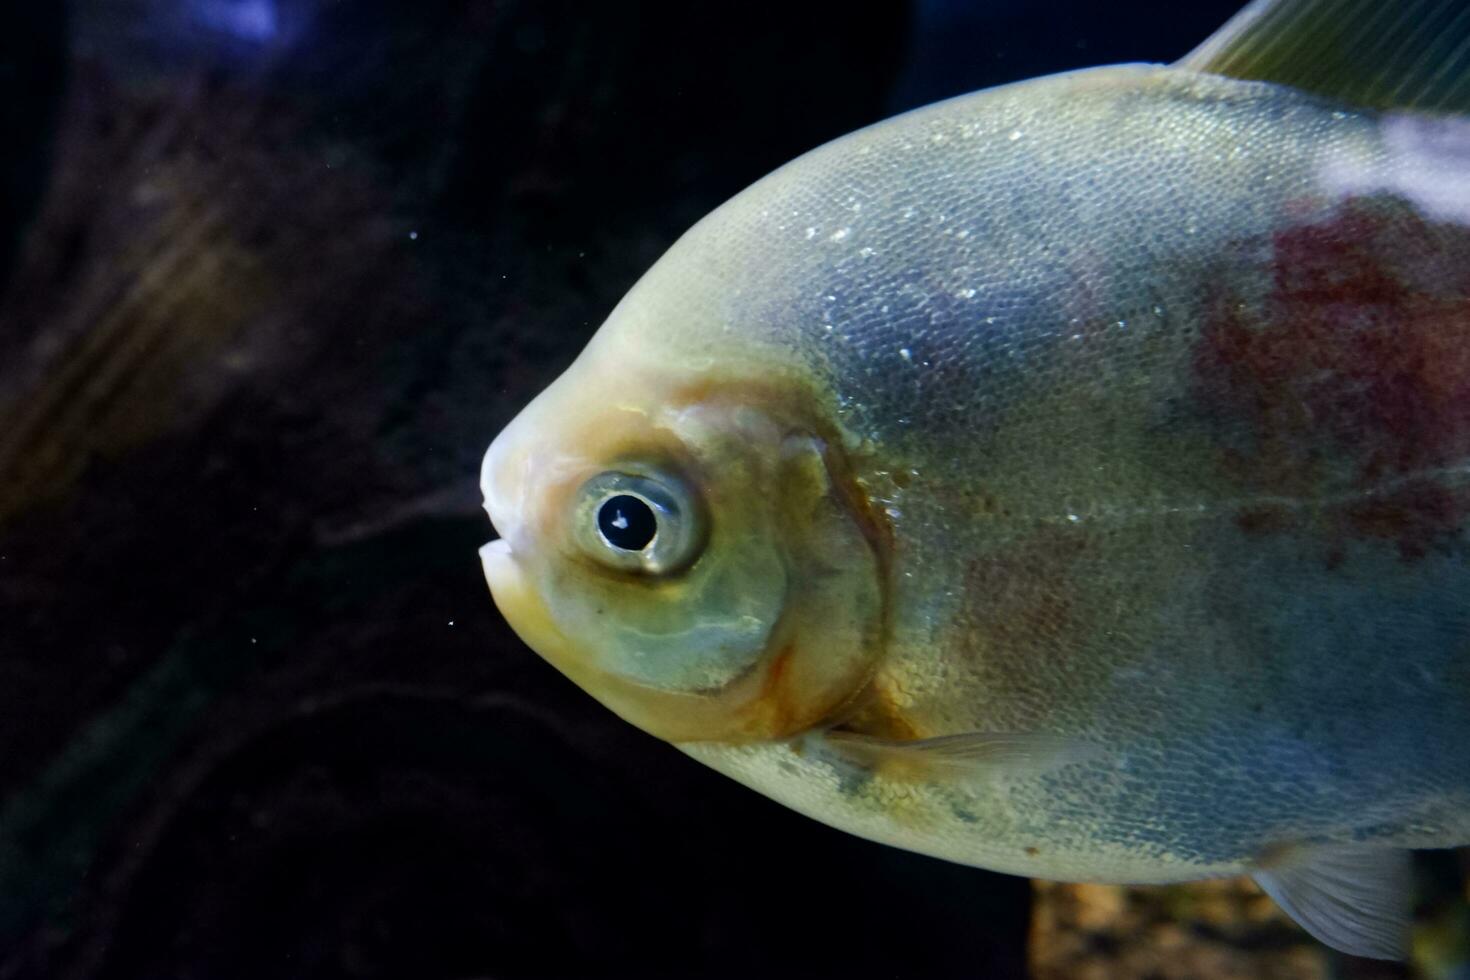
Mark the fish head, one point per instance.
(683, 540)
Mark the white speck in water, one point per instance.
(1073, 518)
(965, 294)
(893, 512)
(840, 234)
(811, 233)
(451, 622)
(413, 236)
(254, 640)
(1076, 336)
(865, 252)
(905, 353)
(1015, 135)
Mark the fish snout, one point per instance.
(497, 557)
(504, 483)
(503, 478)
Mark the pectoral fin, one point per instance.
(1409, 54)
(1353, 898)
(979, 756)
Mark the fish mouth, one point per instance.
(494, 555)
(496, 504)
(503, 574)
(493, 550)
(498, 562)
(497, 557)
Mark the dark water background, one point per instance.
(272, 275)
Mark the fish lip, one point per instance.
(498, 548)
(491, 502)
(501, 570)
(501, 508)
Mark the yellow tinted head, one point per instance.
(692, 553)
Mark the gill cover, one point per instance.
(756, 609)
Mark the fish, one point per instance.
(1068, 479)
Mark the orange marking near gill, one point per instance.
(779, 708)
(777, 699)
(878, 713)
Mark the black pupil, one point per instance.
(627, 522)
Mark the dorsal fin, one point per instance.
(1380, 54)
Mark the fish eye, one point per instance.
(639, 523)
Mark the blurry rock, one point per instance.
(1227, 930)
(1216, 930)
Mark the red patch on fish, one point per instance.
(1344, 386)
